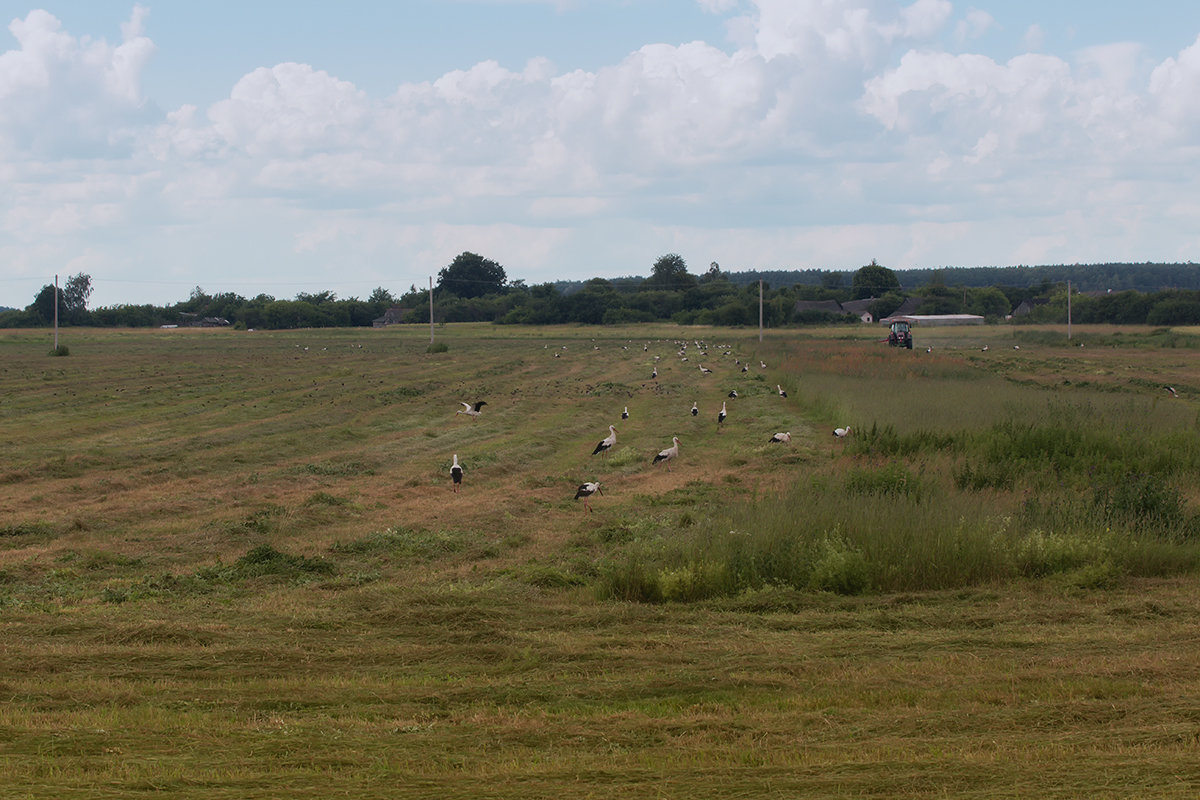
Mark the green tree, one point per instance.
(714, 274)
(75, 294)
(669, 272)
(472, 275)
(382, 296)
(873, 280)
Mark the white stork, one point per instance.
(654, 374)
(607, 442)
(705, 370)
(1171, 389)
(721, 415)
(779, 389)
(586, 490)
(472, 411)
(841, 433)
(781, 438)
(695, 411)
(625, 413)
(733, 394)
(456, 473)
(668, 454)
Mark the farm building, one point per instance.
(393, 316)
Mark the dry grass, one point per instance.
(456, 647)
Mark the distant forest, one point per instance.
(476, 289)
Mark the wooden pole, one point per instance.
(431, 309)
(760, 313)
(1068, 311)
(56, 313)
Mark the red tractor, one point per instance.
(901, 335)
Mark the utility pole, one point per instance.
(1068, 311)
(56, 312)
(760, 314)
(431, 309)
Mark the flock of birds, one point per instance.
(665, 456)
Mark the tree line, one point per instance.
(473, 288)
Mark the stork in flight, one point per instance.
(470, 410)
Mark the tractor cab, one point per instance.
(901, 335)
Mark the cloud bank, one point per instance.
(822, 133)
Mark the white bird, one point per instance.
(625, 413)
(762, 365)
(929, 349)
(695, 411)
(472, 411)
(654, 374)
(985, 348)
(1171, 389)
(668, 454)
(733, 393)
(781, 437)
(705, 370)
(586, 490)
(841, 432)
(721, 415)
(456, 473)
(779, 389)
(607, 442)
(745, 368)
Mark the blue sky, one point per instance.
(281, 148)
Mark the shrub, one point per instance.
(437, 347)
(891, 480)
(631, 580)
(839, 568)
(1142, 500)
(1040, 554)
(699, 580)
(61, 350)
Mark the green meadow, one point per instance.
(232, 564)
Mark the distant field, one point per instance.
(231, 564)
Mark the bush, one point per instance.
(437, 347)
(839, 568)
(61, 350)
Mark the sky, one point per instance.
(278, 148)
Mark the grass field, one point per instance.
(232, 566)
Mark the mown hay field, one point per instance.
(232, 564)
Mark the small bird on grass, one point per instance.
(695, 410)
(781, 438)
(625, 413)
(841, 433)
(586, 490)
(721, 415)
(456, 473)
(779, 389)
(671, 452)
(607, 442)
